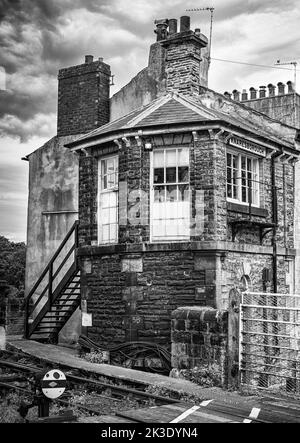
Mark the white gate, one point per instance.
(269, 349)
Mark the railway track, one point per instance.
(19, 372)
(112, 401)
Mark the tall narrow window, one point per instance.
(108, 200)
(242, 179)
(170, 202)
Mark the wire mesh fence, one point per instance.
(270, 341)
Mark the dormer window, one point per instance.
(242, 178)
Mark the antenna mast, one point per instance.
(211, 26)
(295, 69)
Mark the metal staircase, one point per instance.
(56, 294)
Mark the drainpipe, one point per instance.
(275, 220)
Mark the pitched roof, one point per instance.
(165, 110)
(172, 109)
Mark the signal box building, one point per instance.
(183, 194)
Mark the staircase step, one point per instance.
(58, 313)
(62, 317)
(50, 328)
(44, 320)
(68, 296)
(61, 303)
(64, 302)
(62, 310)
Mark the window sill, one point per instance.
(244, 209)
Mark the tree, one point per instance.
(12, 263)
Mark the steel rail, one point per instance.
(94, 382)
(58, 400)
(122, 389)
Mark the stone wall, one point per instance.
(286, 109)
(199, 340)
(183, 62)
(131, 296)
(131, 288)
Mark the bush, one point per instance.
(207, 376)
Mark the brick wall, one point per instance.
(83, 98)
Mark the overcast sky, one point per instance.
(37, 37)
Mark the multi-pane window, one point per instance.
(242, 178)
(170, 215)
(108, 200)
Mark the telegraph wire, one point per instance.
(252, 64)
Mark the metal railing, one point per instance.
(269, 354)
(62, 265)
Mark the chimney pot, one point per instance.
(197, 32)
(253, 93)
(271, 90)
(236, 95)
(262, 92)
(291, 87)
(281, 88)
(185, 23)
(244, 95)
(227, 94)
(172, 26)
(89, 59)
(161, 29)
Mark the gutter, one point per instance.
(274, 219)
(95, 141)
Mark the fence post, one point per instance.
(233, 339)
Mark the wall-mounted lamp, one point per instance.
(148, 145)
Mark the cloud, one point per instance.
(38, 37)
(41, 125)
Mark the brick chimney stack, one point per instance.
(183, 57)
(83, 97)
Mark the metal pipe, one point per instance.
(275, 221)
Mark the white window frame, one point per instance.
(239, 184)
(152, 186)
(115, 189)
